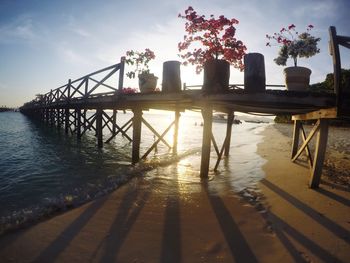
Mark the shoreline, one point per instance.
(165, 219)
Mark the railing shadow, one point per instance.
(281, 227)
(238, 246)
(171, 241)
(64, 239)
(125, 219)
(336, 186)
(334, 196)
(336, 229)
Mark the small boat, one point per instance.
(222, 117)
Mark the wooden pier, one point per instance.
(66, 107)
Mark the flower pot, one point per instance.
(147, 82)
(297, 78)
(216, 76)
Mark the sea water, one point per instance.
(43, 170)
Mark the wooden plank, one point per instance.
(330, 113)
(207, 113)
(321, 145)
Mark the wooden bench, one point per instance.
(341, 110)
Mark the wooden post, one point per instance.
(296, 132)
(121, 74)
(230, 118)
(207, 113)
(254, 72)
(176, 131)
(66, 121)
(78, 119)
(171, 76)
(320, 151)
(99, 127)
(136, 135)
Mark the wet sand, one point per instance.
(166, 219)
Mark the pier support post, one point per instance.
(176, 131)
(52, 117)
(99, 128)
(78, 122)
(58, 119)
(136, 135)
(296, 135)
(207, 113)
(66, 121)
(230, 118)
(114, 121)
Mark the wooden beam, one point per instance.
(321, 145)
(154, 145)
(330, 113)
(306, 142)
(156, 133)
(207, 113)
(307, 149)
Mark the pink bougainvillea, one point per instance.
(215, 35)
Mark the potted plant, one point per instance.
(140, 60)
(295, 45)
(219, 50)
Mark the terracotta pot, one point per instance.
(297, 78)
(216, 76)
(147, 82)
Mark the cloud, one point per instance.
(20, 29)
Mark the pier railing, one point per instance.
(91, 85)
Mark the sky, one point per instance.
(44, 43)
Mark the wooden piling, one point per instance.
(66, 121)
(114, 121)
(207, 113)
(230, 118)
(320, 151)
(176, 131)
(78, 119)
(99, 132)
(136, 135)
(296, 135)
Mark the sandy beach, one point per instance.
(169, 220)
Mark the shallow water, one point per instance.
(42, 170)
